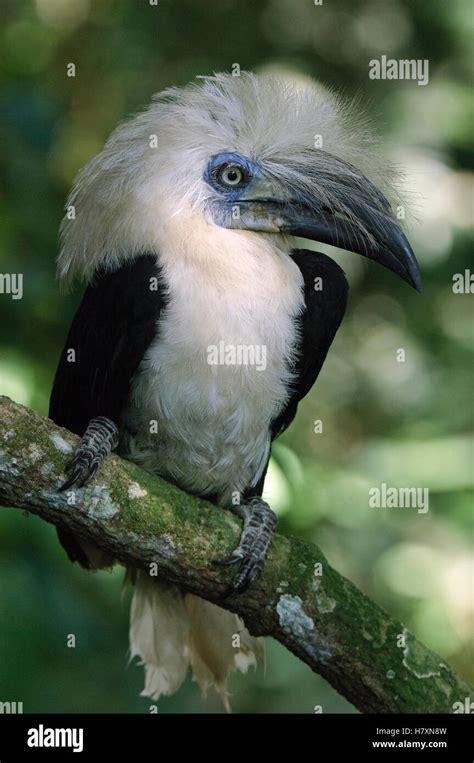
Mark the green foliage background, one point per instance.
(402, 423)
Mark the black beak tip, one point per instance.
(413, 275)
(414, 279)
(403, 257)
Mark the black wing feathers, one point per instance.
(325, 302)
(111, 331)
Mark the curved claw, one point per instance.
(93, 470)
(71, 479)
(81, 473)
(231, 560)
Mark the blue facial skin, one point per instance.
(218, 162)
(256, 211)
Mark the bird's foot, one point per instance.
(99, 439)
(259, 527)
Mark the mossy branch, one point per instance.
(299, 599)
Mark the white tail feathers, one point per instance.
(158, 631)
(171, 631)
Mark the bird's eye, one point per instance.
(231, 175)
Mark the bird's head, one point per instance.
(256, 153)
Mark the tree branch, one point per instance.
(322, 618)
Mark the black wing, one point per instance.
(318, 324)
(113, 327)
(325, 305)
(111, 331)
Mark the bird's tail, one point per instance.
(171, 631)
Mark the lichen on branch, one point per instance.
(299, 599)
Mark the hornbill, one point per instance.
(184, 229)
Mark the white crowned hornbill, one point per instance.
(184, 230)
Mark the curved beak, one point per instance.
(354, 216)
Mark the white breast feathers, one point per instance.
(218, 371)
